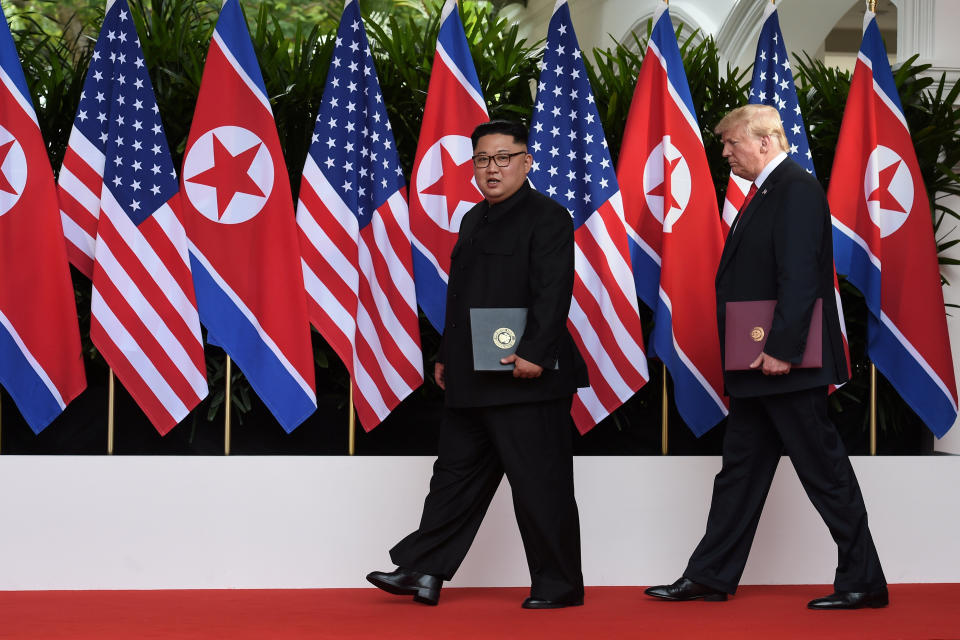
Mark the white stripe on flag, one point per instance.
(141, 365)
(32, 361)
(80, 192)
(246, 79)
(252, 319)
(327, 302)
(687, 362)
(135, 298)
(455, 71)
(77, 236)
(25, 103)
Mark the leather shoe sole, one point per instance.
(539, 603)
(851, 600)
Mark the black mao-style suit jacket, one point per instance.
(516, 253)
(781, 248)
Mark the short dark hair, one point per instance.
(506, 127)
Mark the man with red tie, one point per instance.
(780, 248)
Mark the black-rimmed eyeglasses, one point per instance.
(502, 159)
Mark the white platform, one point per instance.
(272, 522)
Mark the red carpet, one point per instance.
(929, 611)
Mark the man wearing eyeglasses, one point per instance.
(515, 249)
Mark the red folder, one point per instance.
(748, 325)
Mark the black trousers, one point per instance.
(758, 430)
(532, 443)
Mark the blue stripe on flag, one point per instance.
(232, 29)
(453, 39)
(646, 275)
(431, 289)
(665, 40)
(699, 409)
(911, 380)
(872, 47)
(10, 61)
(37, 405)
(852, 259)
(269, 378)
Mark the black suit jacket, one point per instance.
(782, 248)
(517, 253)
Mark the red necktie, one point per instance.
(746, 201)
(750, 193)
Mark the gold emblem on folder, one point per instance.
(757, 334)
(504, 338)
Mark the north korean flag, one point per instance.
(674, 225)
(41, 365)
(239, 217)
(443, 188)
(883, 240)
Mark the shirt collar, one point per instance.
(767, 170)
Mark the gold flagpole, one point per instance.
(663, 419)
(352, 425)
(110, 423)
(872, 6)
(873, 409)
(226, 413)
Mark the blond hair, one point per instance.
(760, 120)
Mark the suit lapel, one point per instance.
(747, 215)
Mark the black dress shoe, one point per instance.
(686, 589)
(423, 587)
(851, 600)
(540, 603)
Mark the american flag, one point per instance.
(355, 232)
(572, 165)
(773, 85)
(119, 201)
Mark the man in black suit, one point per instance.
(780, 248)
(515, 249)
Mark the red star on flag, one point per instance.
(663, 189)
(229, 174)
(455, 183)
(882, 193)
(4, 183)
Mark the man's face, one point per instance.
(746, 153)
(499, 183)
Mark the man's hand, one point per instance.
(438, 375)
(522, 368)
(770, 365)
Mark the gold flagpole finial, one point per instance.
(872, 6)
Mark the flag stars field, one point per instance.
(567, 138)
(360, 291)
